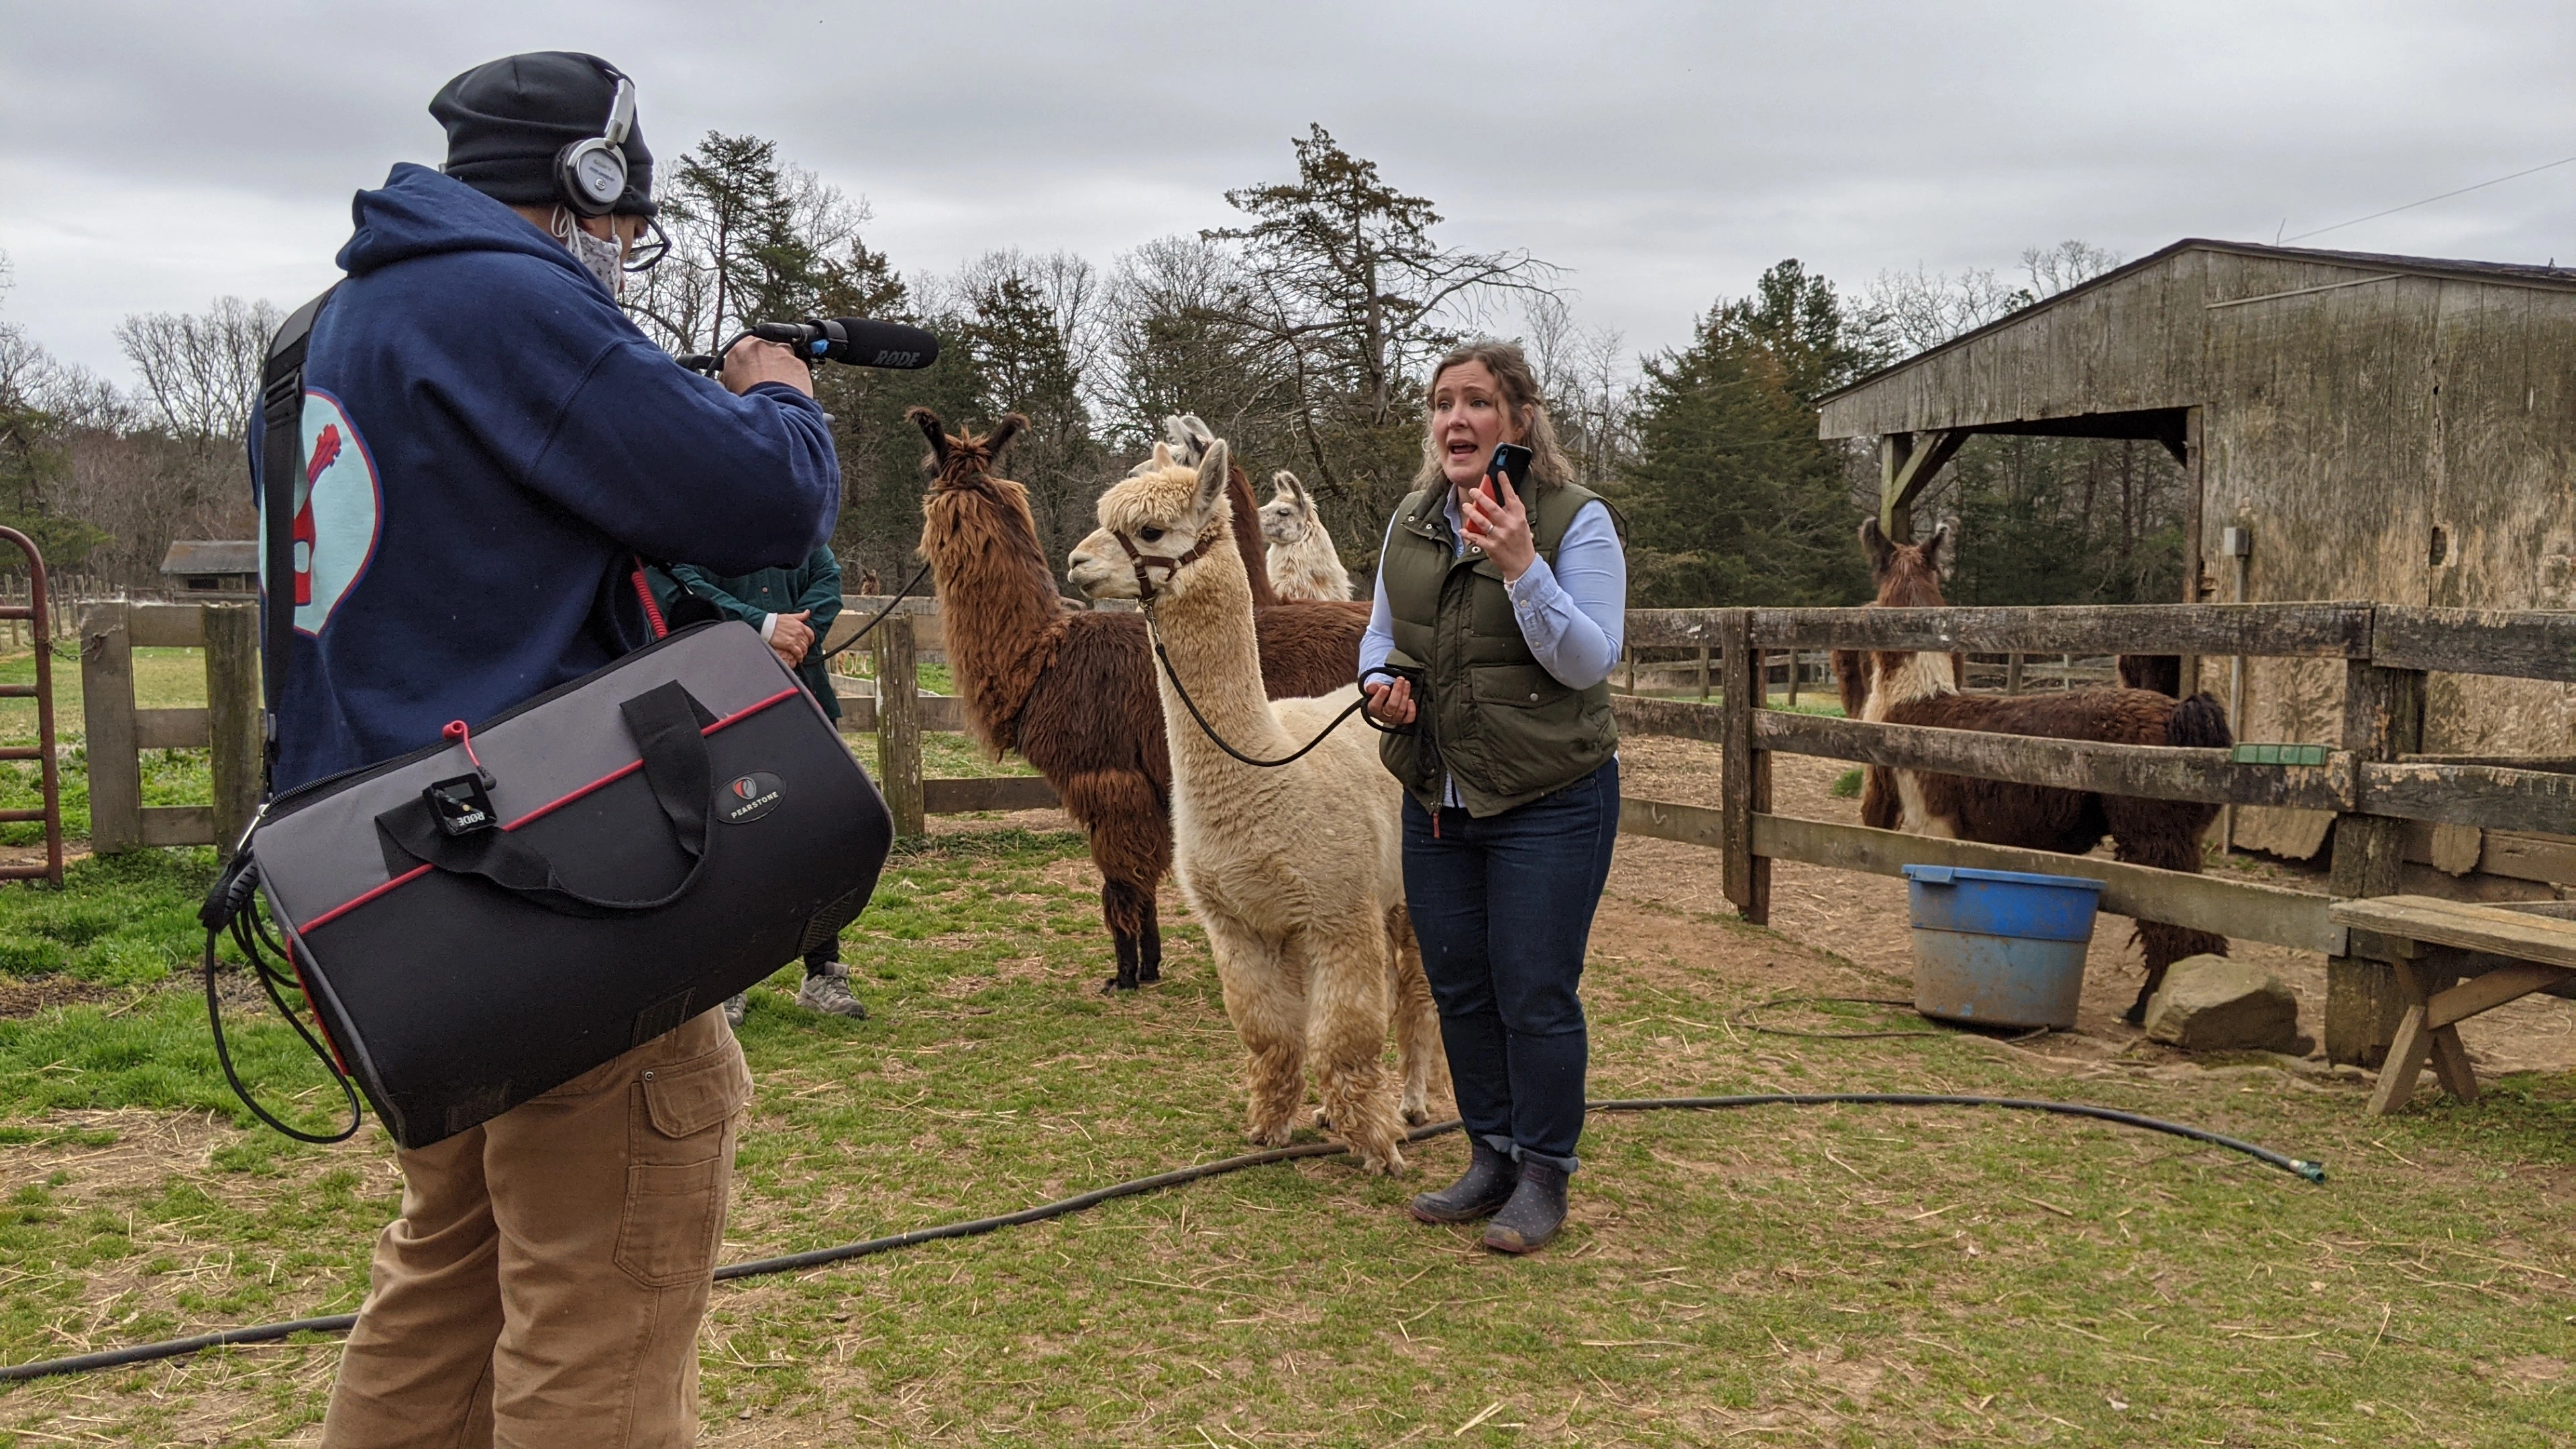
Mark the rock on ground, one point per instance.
(2212, 1004)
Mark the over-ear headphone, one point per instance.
(591, 174)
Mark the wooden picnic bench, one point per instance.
(2494, 954)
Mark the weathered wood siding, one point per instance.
(2343, 426)
(2131, 344)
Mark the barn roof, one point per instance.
(2513, 274)
(211, 556)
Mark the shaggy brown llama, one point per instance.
(1918, 689)
(1073, 690)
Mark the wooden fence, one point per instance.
(2385, 794)
(2383, 791)
(2374, 779)
(119, 732)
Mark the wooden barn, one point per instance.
(2354, 427)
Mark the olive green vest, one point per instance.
(1499, 723)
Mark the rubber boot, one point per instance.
(1488, 1183)
(1536, 1211)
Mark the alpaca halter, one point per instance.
(1140, 561)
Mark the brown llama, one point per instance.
(1072, 690)
(1919, 689)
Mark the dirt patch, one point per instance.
(21, 855)
(25, 998)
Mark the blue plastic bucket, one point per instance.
(1998, 947)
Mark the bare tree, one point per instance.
(1168, 346)
(1590, 382)
(2054, 269)
(1903, 313)
(1344, 288)
(200, 370)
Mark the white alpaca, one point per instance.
(1303, 563)
(1296, 872)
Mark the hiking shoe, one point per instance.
(829, 993)
(1488, 1183)
(1534, 1214)
(734, 1008)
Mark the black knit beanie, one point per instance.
(508, 119)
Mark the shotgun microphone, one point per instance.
(854, 341)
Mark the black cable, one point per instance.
(976, 1227)
(242, 928)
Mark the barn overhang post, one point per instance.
(1907, 463)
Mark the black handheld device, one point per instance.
(1512, 461)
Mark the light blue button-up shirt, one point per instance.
(1572, 616)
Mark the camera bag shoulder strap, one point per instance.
(281, 472)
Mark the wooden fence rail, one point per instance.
(2385, 795)
(118, 731)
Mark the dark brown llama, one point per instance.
(1073, 690)
(1918, 689)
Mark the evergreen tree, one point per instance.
(1732, 499)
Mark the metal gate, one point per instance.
(42, 692)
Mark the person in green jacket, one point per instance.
(793, 609)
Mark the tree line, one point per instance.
(1302, 331)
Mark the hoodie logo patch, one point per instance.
(339, 513)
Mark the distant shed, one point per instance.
(212, 566)
(2398, 429)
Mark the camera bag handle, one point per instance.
(281, 471)
(673, 747)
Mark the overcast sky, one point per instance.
(154, 156)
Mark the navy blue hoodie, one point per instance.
(490, 442)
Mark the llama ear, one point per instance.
(1874, 539)
(933, 429)
(1190, 435)
(1286, 485)
(1932, 547)
(1002, 434)
(1214, 470)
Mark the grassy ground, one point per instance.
(1794, 1276)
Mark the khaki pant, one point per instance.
(544, 1283)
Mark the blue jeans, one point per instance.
(1503, 907)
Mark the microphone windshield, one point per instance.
(860, 342)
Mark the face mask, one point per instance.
(603, 258)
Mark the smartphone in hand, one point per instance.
(1512, 461)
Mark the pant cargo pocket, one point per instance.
(667, 1233)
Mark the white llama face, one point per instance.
(1290, 514)
(1283, 522)
(1164, 515)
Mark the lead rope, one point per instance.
(908, 586)
(1358, 706)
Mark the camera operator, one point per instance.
(492, 445)
(793, 609)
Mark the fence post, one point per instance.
(232, 717)
(107, 715)
(1747, 773)
(1703, 672)
(2383, 717)
(899, 726)
(1793, 678)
